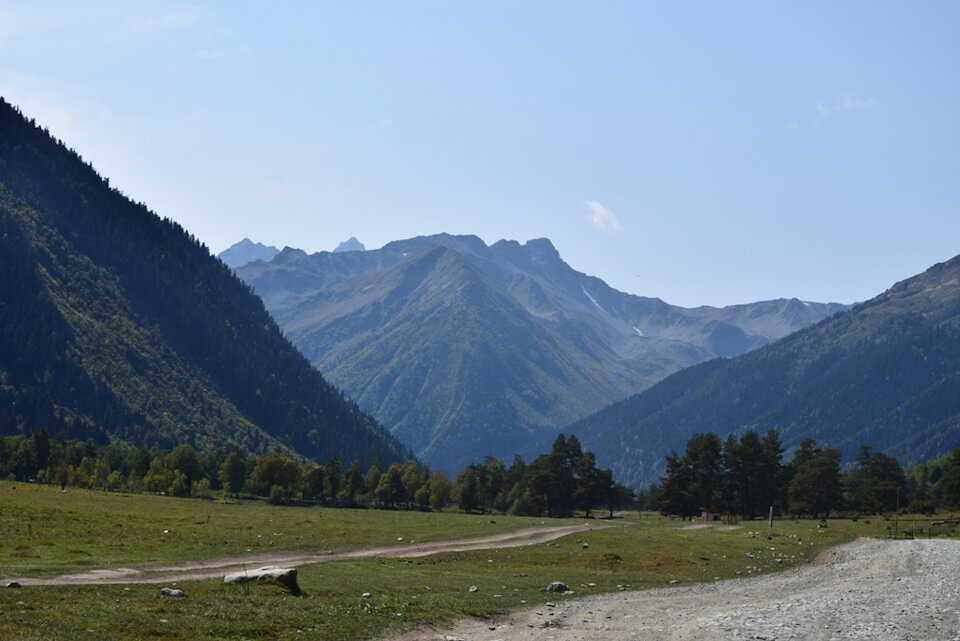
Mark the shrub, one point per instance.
(277, 494)
(201, 488)
(180, 486)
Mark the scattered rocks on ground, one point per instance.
(869, 589)
(558, 586)
(14, 584)
(172, 592)
(474, 588)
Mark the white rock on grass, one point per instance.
(286, 577)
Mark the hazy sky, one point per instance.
(705, 153)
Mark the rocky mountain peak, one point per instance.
(350, 245)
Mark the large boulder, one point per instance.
(287, 577)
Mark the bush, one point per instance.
(277, 494)
(180, 486)
(201, 489)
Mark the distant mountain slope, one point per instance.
(437, 345)
(464, 349)
(884, 374)
(115, 324)
(246, 251)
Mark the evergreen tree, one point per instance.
(41, 445)
(233, 471)
(441, 490)
(744, 474)
(352, 484)
(312, 482)
(494, 491)
(466, 491)
(875, 483)
(950, 481)
(705, 462)
(772, 473)
(815, 488)
(389, 490)
(673, 495)
(371, 479)
(332, 477)
(592, 486)
(412, 478)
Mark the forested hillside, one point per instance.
(117, 325)
(884, 374)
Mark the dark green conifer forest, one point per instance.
(745, 477)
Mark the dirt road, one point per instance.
(218, 567)
(869, 589)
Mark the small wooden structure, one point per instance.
(707, 515)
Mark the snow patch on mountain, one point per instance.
(593, 300)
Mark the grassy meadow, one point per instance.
(43, 531)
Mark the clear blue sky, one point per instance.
(705, 153)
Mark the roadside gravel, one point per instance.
(868, 589)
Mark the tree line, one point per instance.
(555, 484)
(746, 476)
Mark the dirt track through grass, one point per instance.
(217, 567)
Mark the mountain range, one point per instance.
(884, 374)
(464, 350)
(116, 325)
(246, 251)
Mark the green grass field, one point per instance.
(45, 532)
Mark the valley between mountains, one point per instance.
(463, 350)
(120, 327)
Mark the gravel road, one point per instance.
(868, 589)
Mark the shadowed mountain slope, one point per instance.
(117, 325)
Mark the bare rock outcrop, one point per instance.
(286, 577)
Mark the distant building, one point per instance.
(706, 515)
